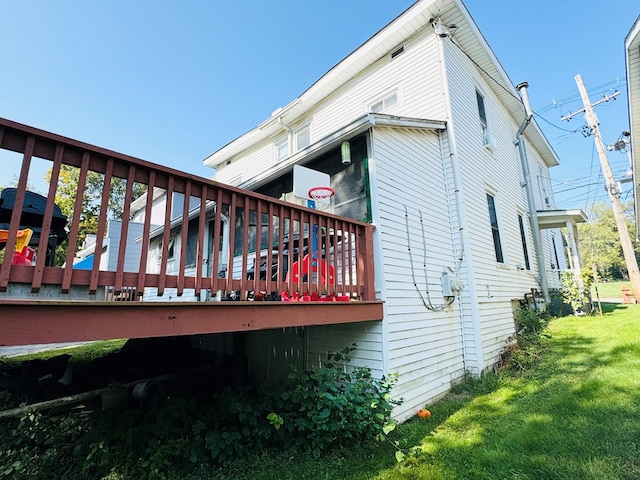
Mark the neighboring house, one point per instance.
(84, 258)
(429, 118)
(632, 54)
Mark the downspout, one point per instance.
(289, 135)
(533, 213)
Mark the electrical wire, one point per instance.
(426, 302)
(597, 90)
(485, 72)
(538, 116)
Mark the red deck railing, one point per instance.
(223, 242)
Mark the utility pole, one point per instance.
(610, 186)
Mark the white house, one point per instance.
(432, 122)
(632, 56)
(84, 257)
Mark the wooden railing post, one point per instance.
(366, 263)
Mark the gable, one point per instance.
(405, 29)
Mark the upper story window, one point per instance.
(282, 149)
(482, 112)
(385, 103)
(495, 230)
(488, 140)
(303, 137)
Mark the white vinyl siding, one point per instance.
(333, 338)
(412, 71)
(496, 285)
(423, 345)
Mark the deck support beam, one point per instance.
(25, 322)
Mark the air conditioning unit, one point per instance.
(490, 142)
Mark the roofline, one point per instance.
(394, 33)
(559, 218)
(353, 129)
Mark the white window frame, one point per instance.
(387, 100)
(171, 249)
(523, 226)
(499, 246)
(488, 140)
(298, 133)
(278, 146)
(482, 113)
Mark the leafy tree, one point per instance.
(67, 191)
(600, 242)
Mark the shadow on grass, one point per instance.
(575, 415)
(611, 307)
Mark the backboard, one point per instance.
(305, 179)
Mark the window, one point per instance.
(303, 137)
(384, 104)
(525, 248)
(282, 149)
(171, 251)
(192, 243)
(495, 231)
(482, 114)
(555, 254)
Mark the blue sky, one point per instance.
(171, 82)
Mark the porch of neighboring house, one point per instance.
(567, 222)
(225, 257)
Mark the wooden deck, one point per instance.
(231, 234)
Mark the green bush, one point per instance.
(317, 409)
(526, 348)
(574, 291)
(529, 321)
(333, 405)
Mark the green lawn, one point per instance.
(609, 289)
(575, 415)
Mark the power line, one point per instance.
(484, 71)
(576, 188)
(552, 124)
(600, 89)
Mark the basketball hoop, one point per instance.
(321, 195)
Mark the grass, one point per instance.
(574, 415)
(609, 289)
(79, 353)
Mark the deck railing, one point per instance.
(223, 242)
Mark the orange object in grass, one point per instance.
(424, 413)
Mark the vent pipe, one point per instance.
(533, 213)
